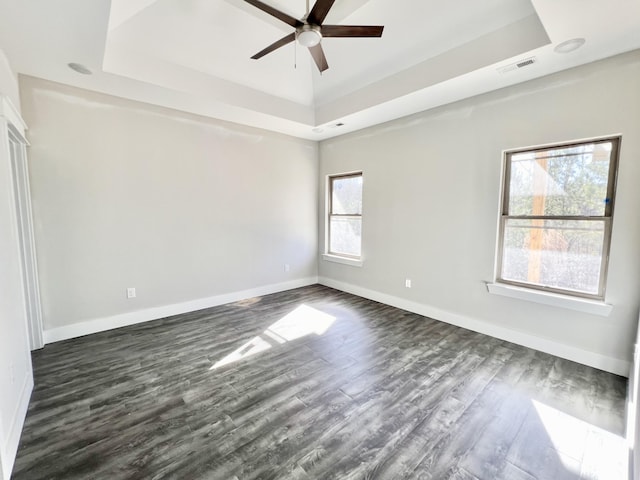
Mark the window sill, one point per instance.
(344, 260)
(585, 305)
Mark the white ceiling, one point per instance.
(194, 55)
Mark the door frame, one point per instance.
(12, 129)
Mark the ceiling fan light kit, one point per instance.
(309, 35)
(310, 31)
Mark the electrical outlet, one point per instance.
(131, 292)
(287, 267)
(12, 373)
(407, 283)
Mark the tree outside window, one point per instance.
(345, 215)
(557, 208)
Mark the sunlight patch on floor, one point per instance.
(301, 322)
(603, 454)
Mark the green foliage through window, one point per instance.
(556, 217)
(345, 215)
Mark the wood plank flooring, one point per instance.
(315, 384)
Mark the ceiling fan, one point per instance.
(310, 30)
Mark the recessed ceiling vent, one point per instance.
(525, 62)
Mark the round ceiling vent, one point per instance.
(569, 45)
(78, 67)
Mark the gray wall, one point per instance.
(431, 199)
(15, 361)
(180, 207)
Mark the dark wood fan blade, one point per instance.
(288, 19)
(319, 11)
(283, 41)
(318, 56)
(351, 31)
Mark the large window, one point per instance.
(555, 226)
(344, 223)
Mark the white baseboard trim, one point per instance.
(585, 357)
(130, 318)
(15, 427)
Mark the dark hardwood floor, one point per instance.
(315, 384)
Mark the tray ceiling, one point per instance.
(194, 55)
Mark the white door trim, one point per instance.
(13, 129)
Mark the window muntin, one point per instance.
(555, 225)
(345, 215)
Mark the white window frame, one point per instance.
(328, 255)
(519, 289)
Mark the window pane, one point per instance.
(346, 198)
(565, 254)
(565, 181)
(345, 236)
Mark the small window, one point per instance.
(344, 223)
(555, 225)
